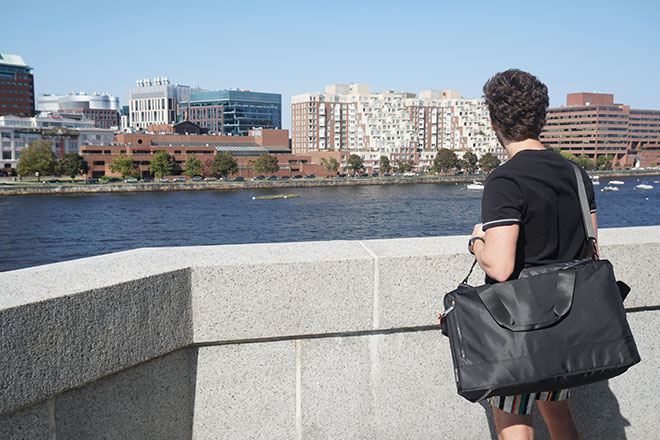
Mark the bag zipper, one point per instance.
(459, 335)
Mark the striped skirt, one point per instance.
(522, 403)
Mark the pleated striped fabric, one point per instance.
(522, 403)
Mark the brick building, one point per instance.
(16, 87)
(143, 146)
(593, 125)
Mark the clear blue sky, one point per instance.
(300, 46)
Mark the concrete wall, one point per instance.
(325, 340)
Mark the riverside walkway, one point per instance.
(309, 340)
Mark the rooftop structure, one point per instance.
(16, 86)
(103, 109)
(154, 103)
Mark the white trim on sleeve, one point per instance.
(509, 220)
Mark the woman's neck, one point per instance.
(513, 148)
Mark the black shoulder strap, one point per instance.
(584, 205)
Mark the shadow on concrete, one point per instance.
(153, 400)
(595, 410)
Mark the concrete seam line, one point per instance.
(376, 304)
(52, 427)
(348, 334)
(299, 433)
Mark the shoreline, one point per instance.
(19, 188)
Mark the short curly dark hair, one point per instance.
(517, 102)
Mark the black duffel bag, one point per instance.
(560, 327)
(557, 326)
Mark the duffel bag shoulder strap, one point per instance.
(584, 207)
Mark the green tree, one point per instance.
(265, 163)
(604, 161)
(124, 165)
(194, 166)
(470, 162)
(161, 164)
(331, 165)
(224, 164)
(38, 157)
(72, 164)
(567, 155)
(384, 165)
(445, 160)
(489, 162)
(355, 163)
(405, 166)
(585, 162)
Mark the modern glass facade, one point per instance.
(232, 112)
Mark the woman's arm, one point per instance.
(497, 253)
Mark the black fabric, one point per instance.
(537, 190)
(588, 343)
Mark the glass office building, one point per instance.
(232, 112)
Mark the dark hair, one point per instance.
(517, 102)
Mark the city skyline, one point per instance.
(293, 47)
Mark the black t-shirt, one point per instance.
(537, 190)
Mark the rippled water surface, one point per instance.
(42, 229)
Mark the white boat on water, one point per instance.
(475, 185)
(610, 188)
(615, 182)
(644, 186)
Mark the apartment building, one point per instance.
(16, 86)
(154, 103)
(593, 125)
(102, 108)
(232, 112)
(399, 125)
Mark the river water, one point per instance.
(40, 229)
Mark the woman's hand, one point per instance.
(478, 231)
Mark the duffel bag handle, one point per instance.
(548, 298)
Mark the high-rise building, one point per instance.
(232, 112)
(154, 103)
(103, 109)
(16, 86)
(66, 135)
(399, 125)
(592, 124)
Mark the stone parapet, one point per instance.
(307, 340)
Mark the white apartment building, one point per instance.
(154, 103)
(399, 125)
(66, 135)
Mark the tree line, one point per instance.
(39, 157)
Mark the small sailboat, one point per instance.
(644, 186)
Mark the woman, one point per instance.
(530, 216)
